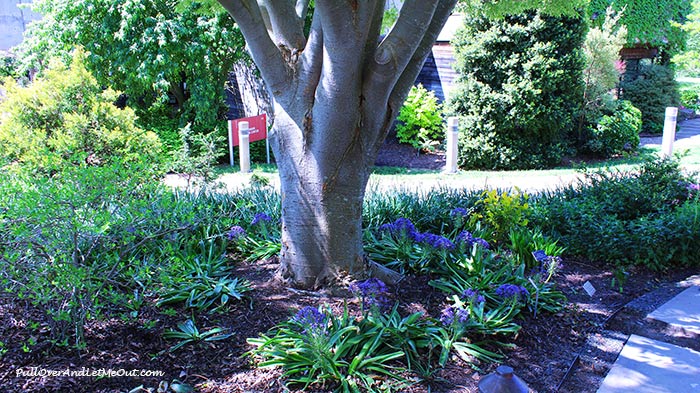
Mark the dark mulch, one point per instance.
(396, 154)
(543, 351)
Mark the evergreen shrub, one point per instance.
(651, 92)
(520, 89)
(67, 117)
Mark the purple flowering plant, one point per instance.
(311, 321)
(512, 291)
(373, 294)
(236, 233)
(468, 240)
(260, 218)
(548, 265)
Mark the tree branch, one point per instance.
(312, 60)
(398, 48)
(287, 26)
(394, 86)
(415, 64)
(265, 53)
(302, 7)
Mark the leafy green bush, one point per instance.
(647, 217)
(520, 89)
(419, 122)
(651, 92)
(66, 117)
(501, 213)
(690, 98)
(617, 132)
(90, 242)
(197, 154)
(345, 352)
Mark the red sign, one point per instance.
(257, 126)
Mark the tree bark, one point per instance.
(335, 93)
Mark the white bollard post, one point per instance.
(669, 132)
(244, 146)
(451, 145)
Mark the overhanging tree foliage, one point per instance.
(144, 48)
(336, 93)
(650, 23)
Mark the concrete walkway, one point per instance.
(687, 136)
(648, 365)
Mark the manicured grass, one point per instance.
(396, 176)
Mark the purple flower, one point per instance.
(372, 292)
(311, 319)
(507, 291)
(236, 232)
(473, 296)
(452, 314)
(447, 317)
(436, 241)
(469, 240)
(260, 217)
(540, 256)
(693, 187)
(459, 212)
(402, 227)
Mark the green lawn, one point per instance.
(407, 178)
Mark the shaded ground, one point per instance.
(543, 352)
(396, 154)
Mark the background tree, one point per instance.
(520, 89)
(650, 23)
(688, 62)
(336, 93)
(607, 126)
(144, 48)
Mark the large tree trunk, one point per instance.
(335, 94)
(322, 186)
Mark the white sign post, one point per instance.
(244, 146)
(669, 132)
(451, 145)
(230, 142)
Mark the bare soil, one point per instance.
(551, 353)
(393, 153)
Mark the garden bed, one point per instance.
(543, 352)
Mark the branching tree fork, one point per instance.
(336, 93)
